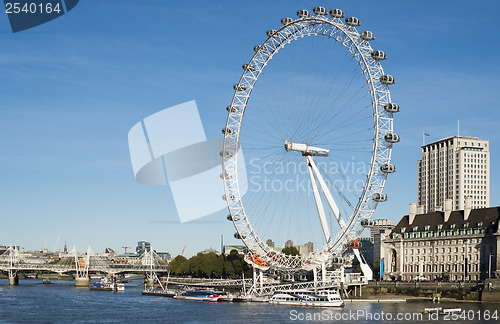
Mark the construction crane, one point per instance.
(126, 247)
(183, 249)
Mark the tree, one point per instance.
(218, 265)
(208, 263)
(194, 265)
(211, 265)
(290, 250)
(175, 266)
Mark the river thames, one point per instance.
(62, 302)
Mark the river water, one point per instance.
(62, 302)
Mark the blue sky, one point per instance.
(72, 89)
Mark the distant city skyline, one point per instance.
(74, 87)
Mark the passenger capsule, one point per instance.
(225, 176)
(231, 218)
(337, 13)
(378, 55)
(320, 11)
(232, 109)
(367, 222)
(303, 13)
(248, 67)
(387, 168)
(272, 33)
(225, 154)
(259, 49)
(354, 244)
(286, 20)
(227, 131)
(367, 35)
(391, 107)
(239, 87)
(392, 138)
(238, 236)
(379, 197)
(338, 260)
(387, 79)
(352, 21)
(230, 197)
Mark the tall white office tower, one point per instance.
(454, 168)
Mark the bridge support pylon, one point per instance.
(82, 281)
(12, 256)
(82, 277)
(149, 281)
(13, 279)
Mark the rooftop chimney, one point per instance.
(467, 208)
(413, 212)
(448, 206)
(420, 209)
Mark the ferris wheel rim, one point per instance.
(372, 69)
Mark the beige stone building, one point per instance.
(444, 245)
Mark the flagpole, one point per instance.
(423, 138)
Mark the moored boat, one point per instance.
(197, 295)
(225, 298)
(323, 298)
(159, 292)
(241, 299)
(451, 311)
(105, 284)
(432, 310)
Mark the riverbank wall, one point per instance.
(488, 291)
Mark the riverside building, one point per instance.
(454, 245)
(453, 168)
(379, 231)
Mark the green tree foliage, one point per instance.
(290, 250)
(175, 265)
(211, 265)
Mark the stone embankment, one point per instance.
(489, 291)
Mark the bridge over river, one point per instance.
(149, 263)
(12, 261)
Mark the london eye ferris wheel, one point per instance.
(312, 113)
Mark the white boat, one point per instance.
(442, 311)
(198, 295)
(451, 311)
(322, 298)
(432, 310)
(106, 284)
(257, 299)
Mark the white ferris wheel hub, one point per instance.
(305, 149)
